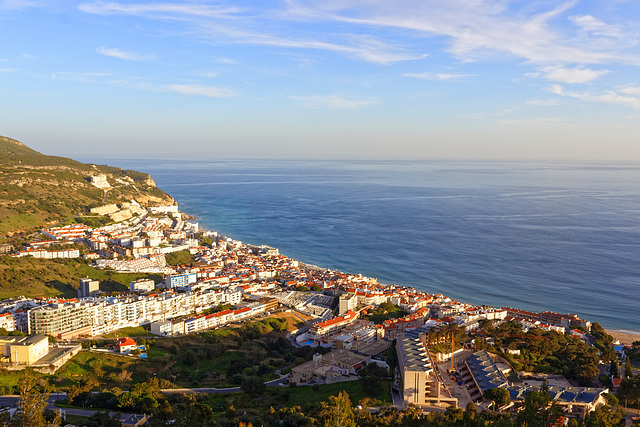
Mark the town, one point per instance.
(248, 281)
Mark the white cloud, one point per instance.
(120, 54)
(437, 76)
(543, 102)
(333, 101)
(234, 25)
(607, 97)
(631, 90)
(534, 31)
(198, 10)
(80, 77)
(572, 75)
(201, 90)
(476, 29)
(592, 25)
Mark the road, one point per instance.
(12, 400)
(211, 390)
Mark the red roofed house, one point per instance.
(125, 345)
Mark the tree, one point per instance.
(370, 377)
(605, 416)
(338, 412)
(253, 386)
(614, 370)
(628, 371)
(33, 402)
(102, 419)
(629, 391)
(500, 396)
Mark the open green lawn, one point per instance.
(9, 379)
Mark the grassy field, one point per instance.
(77, 420)
(137, 331)
(94, 367)
(39, 277)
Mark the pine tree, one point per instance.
(33, 403)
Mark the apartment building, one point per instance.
(420, 382)
(63, 320)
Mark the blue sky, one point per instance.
(357, 79)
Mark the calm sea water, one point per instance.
(561, 237)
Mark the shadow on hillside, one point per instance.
(64, 288)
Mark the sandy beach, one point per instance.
(625, 337)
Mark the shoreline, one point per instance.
(625, 337)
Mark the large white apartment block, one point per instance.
(7, 322)
(58, 319)
(178, 280)
(142, 285)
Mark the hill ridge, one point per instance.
(38, 190)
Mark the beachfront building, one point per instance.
(347, 302)
(331, 326)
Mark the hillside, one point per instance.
(37, 190)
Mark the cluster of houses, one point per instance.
(253, 280)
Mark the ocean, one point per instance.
(535, 236)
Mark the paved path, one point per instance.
(207, 390)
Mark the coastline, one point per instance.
(625, 337)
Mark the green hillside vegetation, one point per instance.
(57, 277)
(180, 258)
(37, 190)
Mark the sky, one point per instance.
(347, 79)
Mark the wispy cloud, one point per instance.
(572, 75)
(608, 97)
(334, 101)
(120, 54)
(592, 25)
(209, 74)
(536, 121)
(631, 90)
(159, 9)
(251, 27)
(478, 29)
(79, 77)
(183, 89)
(19, 4)
(200, 90)
(543, 102)
(437, 76)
